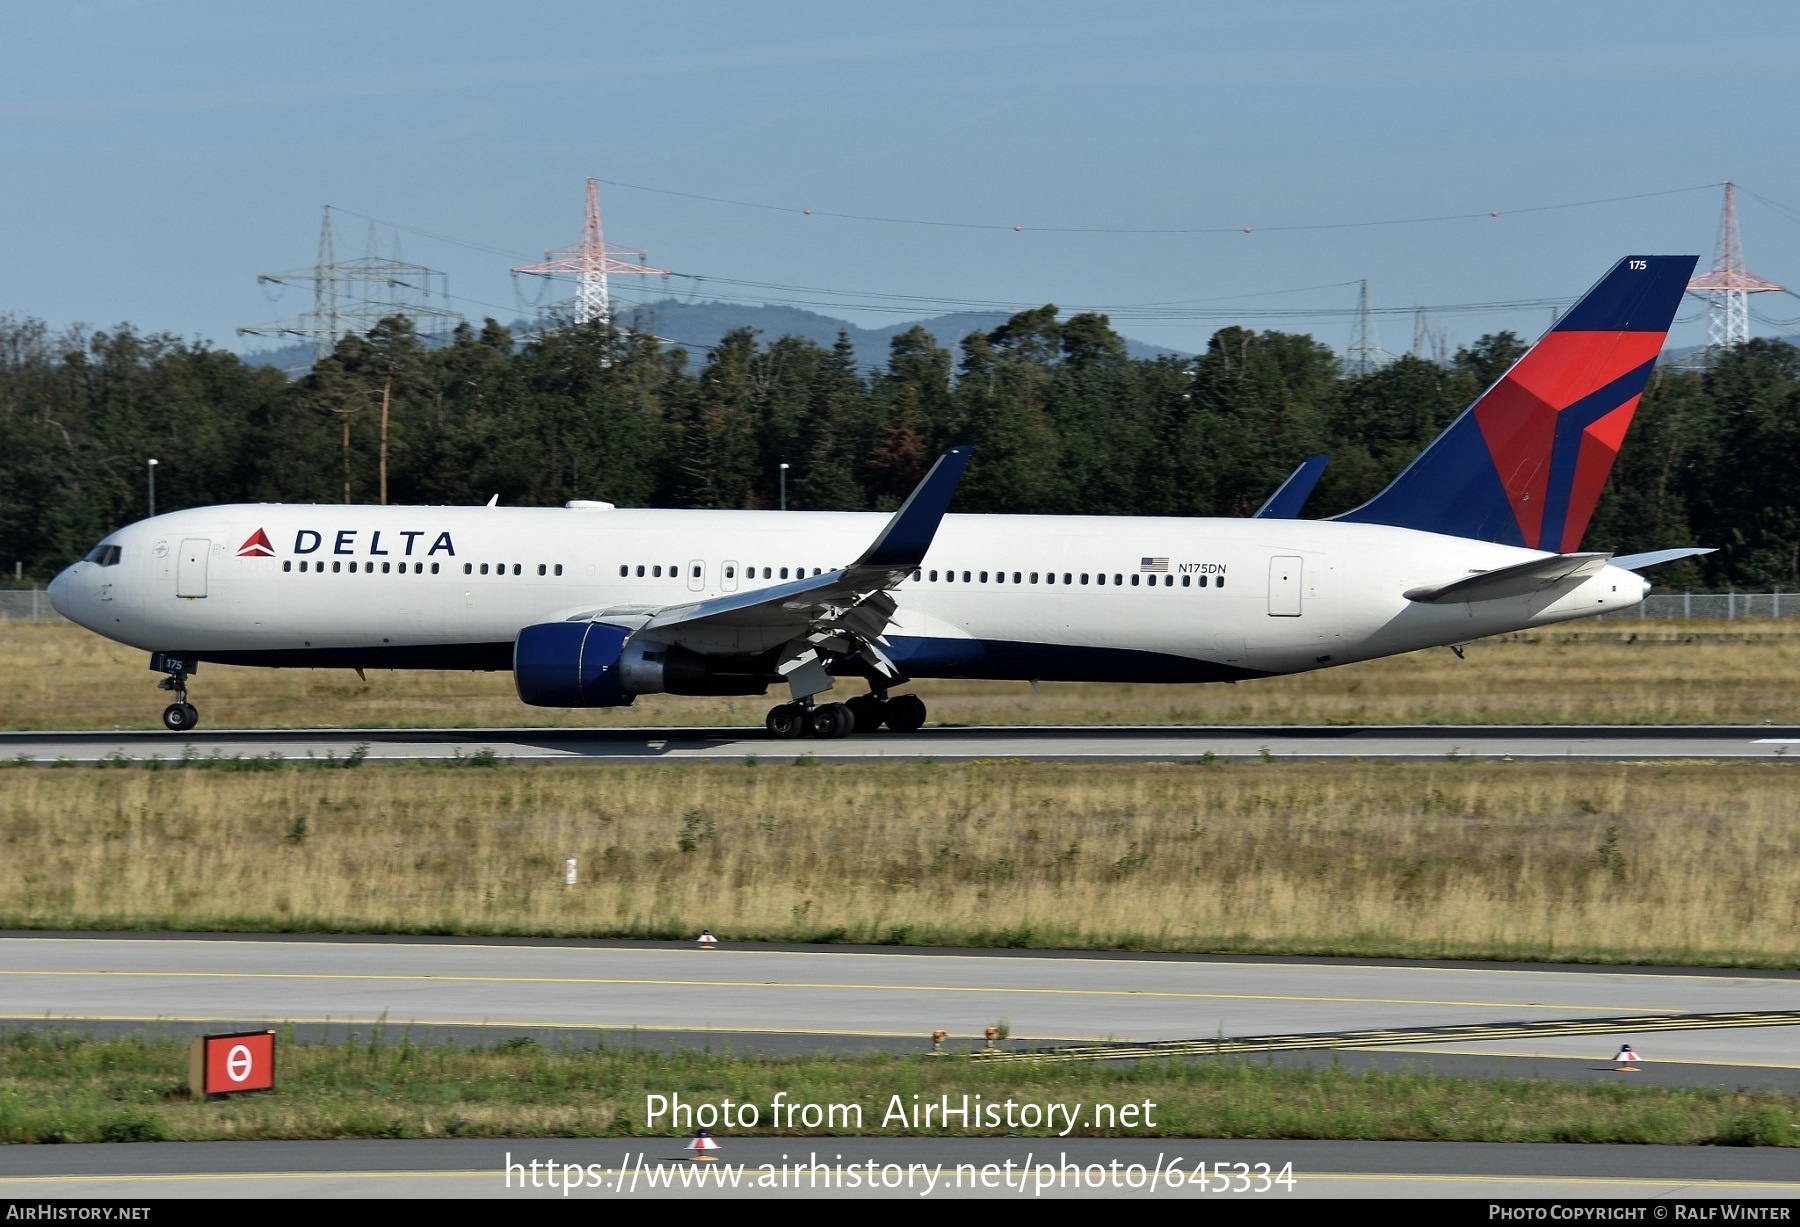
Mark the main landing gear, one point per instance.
(863, 714)
(179, 716)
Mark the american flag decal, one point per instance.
(1157, 565)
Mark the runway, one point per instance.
(825, 998)
(1085, 744)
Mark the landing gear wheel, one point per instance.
(867, 710)
(831, 721)
(905, 714)
(180, 717)
(786, 722)
(193, 714)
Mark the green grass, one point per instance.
(67, 1088)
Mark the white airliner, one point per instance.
(591, 605)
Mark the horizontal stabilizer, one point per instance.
(1291, 495)
(1524, 579)
(1637, 562)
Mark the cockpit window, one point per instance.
(105, 555)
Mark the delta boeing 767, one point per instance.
(590, 605)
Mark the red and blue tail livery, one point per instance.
(1525, 464)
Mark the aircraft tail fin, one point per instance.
(1525, 464)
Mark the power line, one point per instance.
(1149, 230)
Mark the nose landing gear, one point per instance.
(179, 716)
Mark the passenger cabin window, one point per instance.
(557, 570)
(434, 568)
(287, 565)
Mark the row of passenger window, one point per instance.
(1118, 580)
(652, 571)
(470, 568)
(368, 568)
(418, 568)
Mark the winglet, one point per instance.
(1291, 495)
(903, 543)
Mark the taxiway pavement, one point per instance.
(794, 999)
(957, 1167)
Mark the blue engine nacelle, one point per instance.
(571, 664)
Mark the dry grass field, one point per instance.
(1620, 672)
(1679, 863)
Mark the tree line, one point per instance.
(1062, 420)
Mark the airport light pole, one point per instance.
(150, 483)
(784, 469)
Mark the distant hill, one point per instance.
(698, 326)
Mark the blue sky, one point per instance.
(159, 154)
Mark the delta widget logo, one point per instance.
(257, 546)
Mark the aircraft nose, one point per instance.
(61, 592)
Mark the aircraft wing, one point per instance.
(842, 610)
(1521, 579)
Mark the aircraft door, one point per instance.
(1284, 587)
(728, 576)
(696, 576)
(190, 567)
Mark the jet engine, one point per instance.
(597, 664)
